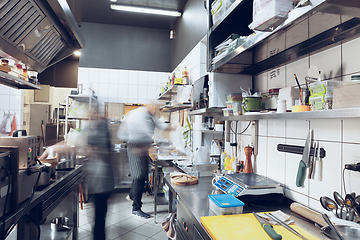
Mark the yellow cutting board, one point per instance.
(245, 226)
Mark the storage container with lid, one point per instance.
(323, 87)
(228, 112)
(225, 204)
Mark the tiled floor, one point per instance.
(121, 224)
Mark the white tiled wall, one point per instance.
(339, 137)
(11, 102)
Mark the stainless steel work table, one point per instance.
(194, 199)
(60, 198)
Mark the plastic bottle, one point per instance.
(178, 79)
(185, 77)
(233, 164)
(222, 158)
(227, 163)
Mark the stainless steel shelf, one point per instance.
(212, 131)
(226, 14)
(206, 111)
(176, 107)
(83, 98)
(171, 91)
(14, 82)
(326, 114)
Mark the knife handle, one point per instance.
(270, 231)
(300, 177)
(311, 168)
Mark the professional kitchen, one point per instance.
(179, 119)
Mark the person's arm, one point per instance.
(58, 147)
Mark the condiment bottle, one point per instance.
(242, 165)
(19, 70)
(222, 159)
(248, 165)
(185, 77)
(25, 74)
(227, 163)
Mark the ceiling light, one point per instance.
(113, 0)
(77, 53)
(171, 34)
(145, 10)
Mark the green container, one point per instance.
(251, 103)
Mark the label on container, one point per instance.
(216, 6)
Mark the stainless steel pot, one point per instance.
(45, 174)
(59, 224)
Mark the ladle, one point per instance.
(327, 220)
(329, 205)
(339, 200)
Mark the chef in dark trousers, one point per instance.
(138, 129)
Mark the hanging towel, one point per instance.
(13, 126)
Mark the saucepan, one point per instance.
(60, 223)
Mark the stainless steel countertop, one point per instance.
(195, 197)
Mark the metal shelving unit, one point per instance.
(85, 99)
(207, 111)
(14, 82)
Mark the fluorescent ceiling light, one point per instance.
(145, 10)
(77, 53)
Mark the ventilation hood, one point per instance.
(38, 33)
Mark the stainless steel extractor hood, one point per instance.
(38, 33)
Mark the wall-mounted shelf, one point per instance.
(212, 131)
(326, 114)
(170, 92)
(207, 111)
(239, 60)
(14, 82)
(176, 107)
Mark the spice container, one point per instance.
(225, 204)
(237, 108)
(228, 112)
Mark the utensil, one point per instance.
(268, 228)
(322, 231)
(350, 202)
(59, 223)
(339, 200)
(348, 232)
(286, 226)
(308, 213)
(329, 205)
(304, 163)
(318, 163)
(327, 220)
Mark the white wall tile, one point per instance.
(152, 92)
(351, 130)
(292, 165)
(103, 75)
(276, 45)
(326, 129)
(327, 21)
(94, 75)
(15, 102)
(276, 128)
(297, 34)
(133, 92)
(276, 77)
(123, 76)
(331, 172)
(275, 160)
(242, 126)
(5, 102)
(263, 128)
(113, 76)
(152, 78)
(142, 92)
(113, 91)
(328, 69)
(123, 92)
(299, 68)
(351, 155)
(4, 89)
(143, 78)
(103, 90)
(297, 128)
(261, 83)
(316, 205)
(133, 77)
(261, 158)
(297, 197)
(350, 53)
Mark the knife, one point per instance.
(304, 163)
(268, 228)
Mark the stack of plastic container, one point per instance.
(321, 94)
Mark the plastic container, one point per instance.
(225, 204)
(218, 8)
(323, 87)
(228, 112)
(323, 102)
(281, 106)
(237, 108)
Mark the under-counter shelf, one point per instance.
(325, 114)
(207, 111)
(83, 98)
(239, 60)
(14, 82)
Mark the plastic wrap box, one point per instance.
(269, 14)
(225, 204)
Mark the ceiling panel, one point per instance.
(98, 11)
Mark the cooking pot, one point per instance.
(45, 174)
(251, 103)
(59, 224)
